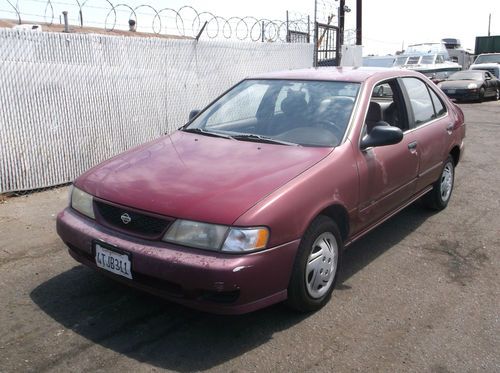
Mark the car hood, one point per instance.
(459, 83)
(198, 177)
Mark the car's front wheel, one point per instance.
(497, 94)
(439, 196)
(481, 94)
(316, 266)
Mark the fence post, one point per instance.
(263, 32)
(287, 29)
(315, 50)
(308, 29)
(201, 31)
(66, 25)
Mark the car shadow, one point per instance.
(166, 335)
(381, 239)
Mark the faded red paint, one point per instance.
(238, 183)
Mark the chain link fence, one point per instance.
(70, 101)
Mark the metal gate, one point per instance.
(327, 45)
(297, 37)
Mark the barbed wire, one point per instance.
(14, 10)
(185, 21)
(327, 11)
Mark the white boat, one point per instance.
(431, 59)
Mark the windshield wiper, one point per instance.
(201, 131)
(264, 139)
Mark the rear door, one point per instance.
(430, 126)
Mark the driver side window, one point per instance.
(386, 107)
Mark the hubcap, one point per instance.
(321, 265)
(498, 94)
(446, 182)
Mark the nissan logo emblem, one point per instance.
(126, 218)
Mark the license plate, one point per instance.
(451, 90)
(112, 261)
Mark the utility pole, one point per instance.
(315, 38)
(489, 25)
(359, 23)
(341, 22)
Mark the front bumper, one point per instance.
(463, 94)
(208, 281)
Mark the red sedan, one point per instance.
(253, 201)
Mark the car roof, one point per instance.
(348, 74)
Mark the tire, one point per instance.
(316, 266)
(481, 94)
(440, 195)
(497, 94)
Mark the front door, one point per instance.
(388, 173)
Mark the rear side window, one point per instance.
(420, 100)
(439, 108)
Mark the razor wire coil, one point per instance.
(185, 21)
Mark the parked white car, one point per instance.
(489, 62)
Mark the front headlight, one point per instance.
(472, 86)
(216, 237)
(195, 234)
(82, 202)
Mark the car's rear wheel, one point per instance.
(439, 196)
(315, 270)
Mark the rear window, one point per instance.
(488, 58)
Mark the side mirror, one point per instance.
(382, 134)
(193, 113)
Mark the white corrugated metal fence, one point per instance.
(69, 101)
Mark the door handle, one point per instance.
(412, 145)
(449, 128)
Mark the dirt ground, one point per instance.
(420, 293)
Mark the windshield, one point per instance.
(429, 59)
(488, 58)
(466, 75)
(286, 112)
(400, 61)
(426, 48)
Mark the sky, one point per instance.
(388, 25)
